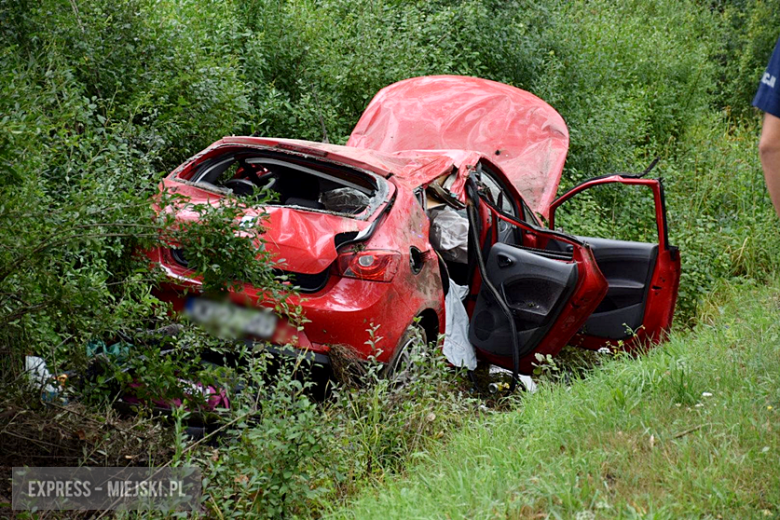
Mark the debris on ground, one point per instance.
(43, 381)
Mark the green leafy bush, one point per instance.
(99, 99)
(285, 454)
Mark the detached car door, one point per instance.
(524, 300)
(643, 277)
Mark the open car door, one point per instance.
(523, 300)
(643, 277)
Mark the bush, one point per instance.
(748, 34)
(287, 455)
(99, 99)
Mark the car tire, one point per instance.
(398, 369)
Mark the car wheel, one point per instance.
(399, 367)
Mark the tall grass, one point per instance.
(689, 430)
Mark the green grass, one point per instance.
(636, 438)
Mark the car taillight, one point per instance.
(377, 266)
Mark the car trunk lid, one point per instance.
(301, 241)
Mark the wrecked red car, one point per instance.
(441, 185)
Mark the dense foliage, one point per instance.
(99, 99)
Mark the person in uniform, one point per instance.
(768, 100)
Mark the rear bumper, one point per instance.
(342, 314)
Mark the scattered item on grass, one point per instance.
(115, 351)
(213, 398)
(526, 381)
(118, 353)
(495, 388)
(41, 379)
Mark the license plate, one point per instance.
(230, 319)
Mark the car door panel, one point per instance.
(550, 294)
(643, 279)
(628, 268)
(534, 287)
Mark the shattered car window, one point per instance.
(497, 193)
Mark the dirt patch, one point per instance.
(71, 435)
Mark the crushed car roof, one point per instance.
(520, 133)
(411, 168)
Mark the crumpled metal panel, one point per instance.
(302, 241)
(424, 166)
(520, 133)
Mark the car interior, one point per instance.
(628, 268)
(302, 183)
(536, 284)
(460, 269)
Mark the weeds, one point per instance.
(97, 103)
(295, 456)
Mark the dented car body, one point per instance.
(352, 227)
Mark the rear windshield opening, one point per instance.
(292, 181)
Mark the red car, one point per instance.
(354, 226)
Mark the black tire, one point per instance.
(398, 367)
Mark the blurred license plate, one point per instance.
(230, 318)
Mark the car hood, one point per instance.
(520, 133)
